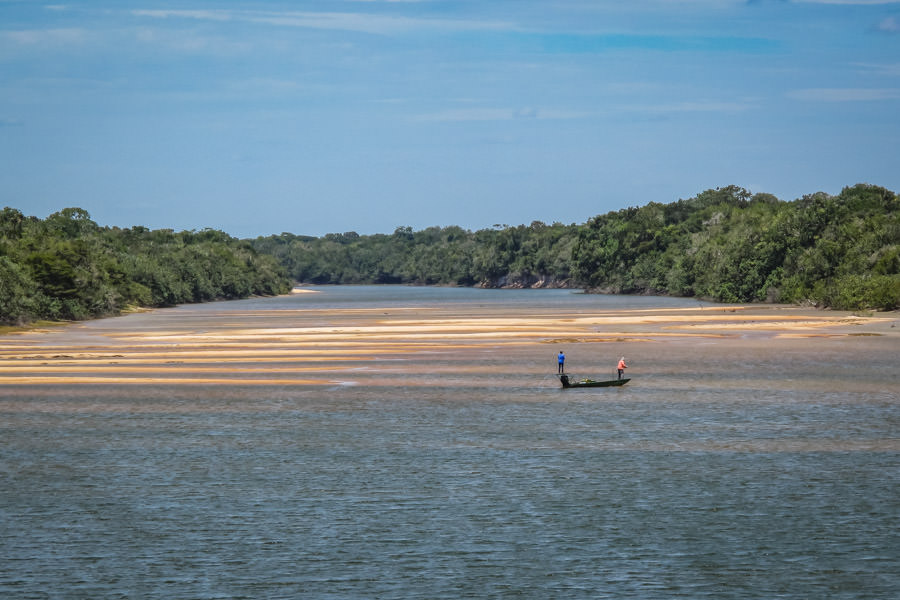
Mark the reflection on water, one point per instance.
(413, 442)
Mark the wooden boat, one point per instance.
(567, 383)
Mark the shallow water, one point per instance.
(366, 449)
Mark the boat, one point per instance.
(568, 383)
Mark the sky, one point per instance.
(314, 117)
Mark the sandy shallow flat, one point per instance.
(380, 346)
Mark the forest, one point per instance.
(725, 244)
(66, 267)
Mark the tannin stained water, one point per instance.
(405, 442)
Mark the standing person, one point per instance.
(621, 367)
(561, 360)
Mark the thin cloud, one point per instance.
(501, 114)
(889, 25)
(848, 2)
(845, 94)
(888, 69)
(695, 106)
(340, 21)
(179, 41)
(203, 15)
(43, 37)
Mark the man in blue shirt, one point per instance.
(561, 359)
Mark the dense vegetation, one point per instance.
(67, 267)
(517, 256)
(840, 251)
(725, 244)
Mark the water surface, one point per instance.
(415, 443)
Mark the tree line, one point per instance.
(526, 255)
(67, 267)
(726, 245)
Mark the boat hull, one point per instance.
(567, 383)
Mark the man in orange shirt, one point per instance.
(621, 367)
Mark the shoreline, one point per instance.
(726, 317)
(812, 312)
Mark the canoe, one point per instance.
(567, 383)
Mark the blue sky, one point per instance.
(330, 116)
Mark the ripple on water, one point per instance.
(453, 475)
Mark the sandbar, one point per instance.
(377, 347)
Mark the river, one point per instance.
(399, 442)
